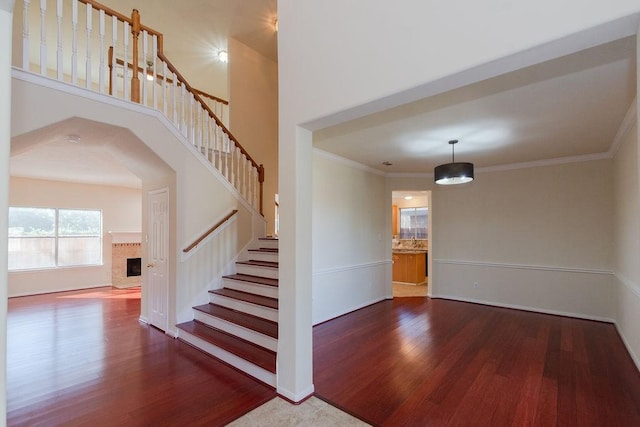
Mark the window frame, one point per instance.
(57, 237)
(415, 228)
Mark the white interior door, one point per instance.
(157, 262)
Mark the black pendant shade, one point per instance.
(454, 172)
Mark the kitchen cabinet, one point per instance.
(409, 267)
(394, 220)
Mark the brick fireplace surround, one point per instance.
(124, 245)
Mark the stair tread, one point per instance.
(253, 353)
(258, 324)
(247, 297)
(253, 279)
(269, 250)
(268, 264)
(268, 238)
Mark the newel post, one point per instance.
(135, 32)
(261, 181)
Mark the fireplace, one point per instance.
(134, 267)
(125, 259)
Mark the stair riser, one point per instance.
(254, 270)
(264, 256)
(237, 330)
(245, 307)
(252, 288)
(271, 244)
(249, 368)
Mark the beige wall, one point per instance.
(351, 263)
(121, 211)
(253, 109)
(627, 242)
(536, 238)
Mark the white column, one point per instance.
(6, 22)
(295, 344)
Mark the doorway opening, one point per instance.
(410, 243)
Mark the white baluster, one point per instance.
(154, 51)
(174, 95)
(216, 148)
(183, 115)
(89, 28)
(102, 50)
(74, 42)
(25, 35)
(226, 155)
(244, 176)
(164, 86)
(114, 42)
(145, 67)
(43, 37)
(59, 63)
(125, 72)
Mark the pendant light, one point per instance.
(453, 173)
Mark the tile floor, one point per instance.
(312, 412)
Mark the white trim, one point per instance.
(629, 284)
(546, 162)
(347, 162)
(351, 267)
(350, 309)
(293, 397)
(525, 308)
(523, 266)
(629, 120)
(50, 291)
(185, 256)
(636, 291)
(7, 5)
(498, 168)
(143, 319)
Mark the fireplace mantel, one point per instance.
(126, 237)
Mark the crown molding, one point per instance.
(348, 162)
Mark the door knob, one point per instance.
(150, 266)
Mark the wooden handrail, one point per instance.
(204, 105)
(209, 231)
(161, 77)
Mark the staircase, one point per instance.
(239, 324)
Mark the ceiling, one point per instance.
(570, 106)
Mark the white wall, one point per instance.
(330, 73)
(6, 7)
(351, 261)
(121, 211)
(627, 242)
(150, 146)
(253, 109)
(536, 238)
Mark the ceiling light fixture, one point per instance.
(223, 56)
(408, 197)
(74, 139)
(453, 173)
(275, 24)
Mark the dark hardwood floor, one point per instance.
(423, 362)
(82, 358)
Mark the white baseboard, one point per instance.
(350, 309)
(295, 397)
(51, 291)
(526, 308)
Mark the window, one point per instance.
(413, 223)
(48, 237)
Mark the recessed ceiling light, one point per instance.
(74, 139)
(223, 55)
(408, 197)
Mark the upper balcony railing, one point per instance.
(87, 44)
